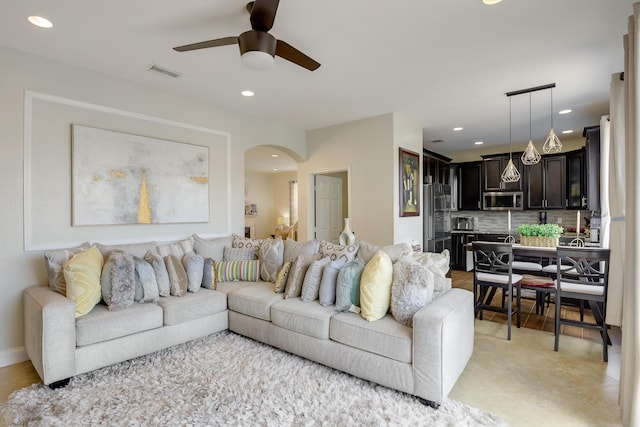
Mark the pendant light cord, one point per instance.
(510, 139)
(551, 108)
(530, 138)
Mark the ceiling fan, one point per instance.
(257, 46)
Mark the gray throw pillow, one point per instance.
(146, 286)
(296, 274)
(348, 285)
(293, 248)
(194, 266)
(313, 276)
(327, 293)
(367, 250)
(178, 281)
(240, 254)
(271, 254)
(160, 270)
(411, 290)
(118, 280)
(54, 261)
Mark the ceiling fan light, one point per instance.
(530, 156)
(552, 143)
(257, 60)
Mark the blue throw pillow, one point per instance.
(348, 285)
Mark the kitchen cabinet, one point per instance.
(435, 168)
(576, 180)
(459, 251)
(545, 183)
(492, 173)
(469, 186)
(592, 154)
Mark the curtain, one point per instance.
(293, 202)
(613, 225)
(630, 367)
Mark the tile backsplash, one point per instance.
(496, 221)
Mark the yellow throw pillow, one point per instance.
(375, 287)
(82, 274)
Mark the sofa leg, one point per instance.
(429, 403)
(59, 384)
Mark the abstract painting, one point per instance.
(119, 178)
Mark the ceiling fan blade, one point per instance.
(263, 13)
(211, 43)
(286, 51)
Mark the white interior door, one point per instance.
(328, 201)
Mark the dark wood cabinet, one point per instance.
(545, 183)
(576, 190)
(435, 168)
(492, 174)
(592, 160)
(459, 251)
(469, 186)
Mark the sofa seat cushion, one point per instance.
(254, 300)
(192, 306)
(101, 324)
(306, 317)
(226, 287)
(385, 337)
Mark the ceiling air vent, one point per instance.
(438, 141)
(165, 71)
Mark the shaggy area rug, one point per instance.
(227, 379)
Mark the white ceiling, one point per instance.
(444, 63)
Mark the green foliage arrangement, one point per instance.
(542, 230)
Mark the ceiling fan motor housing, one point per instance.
(260, 41)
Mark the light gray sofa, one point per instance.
(425, 360)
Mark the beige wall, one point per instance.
(21, 72)
(368, 150)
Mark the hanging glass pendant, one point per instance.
(510, 173)
(530, 155)
(552, 143)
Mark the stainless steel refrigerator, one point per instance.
(437, 217)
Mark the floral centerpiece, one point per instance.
(547, 235)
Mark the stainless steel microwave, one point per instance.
(502, 201)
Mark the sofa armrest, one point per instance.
(443, 334)
(49, 333)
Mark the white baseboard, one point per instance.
(12, 356)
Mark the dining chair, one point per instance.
(492, 271)
(586, 281)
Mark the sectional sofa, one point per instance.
(424, 360)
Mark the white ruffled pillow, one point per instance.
(411, 290)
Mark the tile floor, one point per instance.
(522, 381)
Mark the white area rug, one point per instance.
(227, 379)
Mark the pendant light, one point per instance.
(552, 144)
(510, 173)
(530, 155)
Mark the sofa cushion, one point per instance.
(178, 249)
(54, 261)
(82, 275)
(239, 254)
(348, 285)
(134, 249)
(293, 248)
(271, 254)
(211, 248)
(192, 306)
(375, 287)
(308, 318)
(385, 337)
(101, 324)
(311, 283)
(226, 287)
(118, 279)
(366, 250)
(254, 300)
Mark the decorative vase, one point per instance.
(347, 237)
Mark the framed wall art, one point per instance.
(409, 183)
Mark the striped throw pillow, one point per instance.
(229, 271)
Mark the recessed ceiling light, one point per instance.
(568, 131)
(490, 2)
(247, 93)
(457, 128)
(39, 21)
(274, 155)
(567, 111)
(479, 142)
(275, 170)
